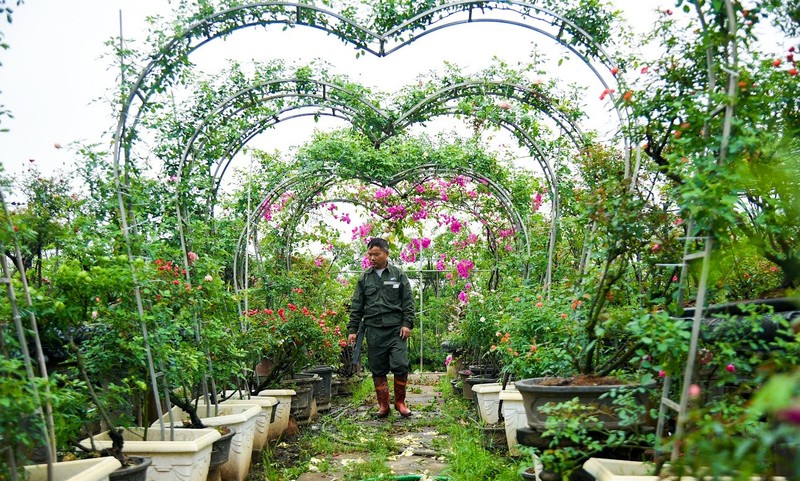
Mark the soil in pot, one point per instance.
(529, 474)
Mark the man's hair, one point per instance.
(379, 243)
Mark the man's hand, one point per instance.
(405, 332)
(351, 339)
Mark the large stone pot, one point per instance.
(184, 458)
(96, 469)
(323, 392)
(535, 395)
(239, 418)
(304, 403)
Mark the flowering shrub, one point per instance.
(292, 337)
(539, 337)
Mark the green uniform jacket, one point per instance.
(382, 302)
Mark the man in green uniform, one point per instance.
(383, 301)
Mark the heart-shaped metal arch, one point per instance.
(169, 61)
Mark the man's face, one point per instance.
(378, 258)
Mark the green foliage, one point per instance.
(577, 432)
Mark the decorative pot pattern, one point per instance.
(513, 417)
(263, 421)
(239, 418)
(185, 458)
(280, 412)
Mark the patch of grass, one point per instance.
(467, 459)
(273, 466)
(376, 466)
(364, 392)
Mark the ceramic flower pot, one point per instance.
(280, 412)
(513, 417)
(184, 457)
(96, 469)
(471, 382)
(239, 418)
(263, 421)
(487, 398)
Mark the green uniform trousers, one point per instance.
(387, 351)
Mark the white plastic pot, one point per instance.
(514, 417)
(239, 418)
(283, 409)
(185, 458)
(96, 469)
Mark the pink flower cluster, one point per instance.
(464, 267)
(362, 231)
(396, 212)
(383, 193)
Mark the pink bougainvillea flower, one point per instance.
(455, 226)
(440, 265)
(346, 218)
(662, 373)
(694, 391)
(462, 296)
(464, 267)
(365, 263)
(730, 368)
(674, 278)
(383, 193)
(318, 262)
(426, 242)
(536, 203)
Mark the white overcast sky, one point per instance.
(53, 75)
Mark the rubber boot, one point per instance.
(400, 395)
(382, 392)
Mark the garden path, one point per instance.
(414, 446)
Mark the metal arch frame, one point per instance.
(515, 129)
(498, 88)
(186, 163)
(125, 133)
(231, 152)
(446, 11)
(571, 129)
(329, 178)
